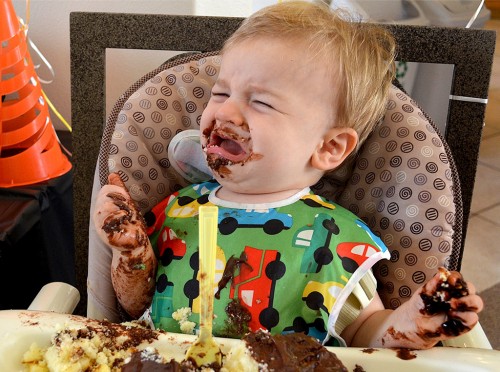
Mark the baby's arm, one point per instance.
(420, 322)
(121, 226)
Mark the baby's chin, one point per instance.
(228, 173)
(234, 185)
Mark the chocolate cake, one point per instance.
(261, 351)
(146, 362)
(96, 345)
(92, 345)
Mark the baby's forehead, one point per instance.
(268, 64)
(267, 39)
(308, 54)
(309, 65)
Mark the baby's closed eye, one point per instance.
(262, 103)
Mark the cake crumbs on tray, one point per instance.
(98, 346)
(182, 315)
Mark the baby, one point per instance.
(299, 89)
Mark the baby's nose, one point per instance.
(229, 111)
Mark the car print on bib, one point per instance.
(315, 240)
(254, 286)
(354, 254)
(271, 221)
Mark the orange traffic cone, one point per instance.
(29, 151)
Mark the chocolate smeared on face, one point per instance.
(215, 163)
(228, 144)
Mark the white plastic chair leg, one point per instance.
(56, 296)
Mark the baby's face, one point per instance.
(267, 114)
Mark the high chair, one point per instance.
(410, 183)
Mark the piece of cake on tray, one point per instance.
(90, 345)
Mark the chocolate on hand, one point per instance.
(124, 225)
(451, 285)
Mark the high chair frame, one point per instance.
(470, 51)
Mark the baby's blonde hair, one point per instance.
(361, 55)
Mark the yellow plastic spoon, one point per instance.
(205, 351)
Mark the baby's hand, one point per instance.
(117, 219)
(444, 308)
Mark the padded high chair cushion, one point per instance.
(142, 123)
(405, 187)
(402, 183)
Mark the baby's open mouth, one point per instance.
(227, 147)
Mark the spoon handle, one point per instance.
(208, 246)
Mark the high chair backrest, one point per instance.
(412, 185)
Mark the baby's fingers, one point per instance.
(471, 288)
(470, 303)
(468, 318)
(431, 286)
(110, 192)
(463, 315)
(459, 323)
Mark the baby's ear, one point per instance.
(335, 147)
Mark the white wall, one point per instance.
(49, 30)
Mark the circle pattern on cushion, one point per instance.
(404, 187)
(160, 106)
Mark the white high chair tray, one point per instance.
(20, 328)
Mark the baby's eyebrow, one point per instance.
(262, 89)
(251, 88)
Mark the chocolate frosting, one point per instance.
(138, 363)
(291, 352)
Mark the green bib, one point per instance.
(287, 266)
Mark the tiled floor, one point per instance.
(482, 250)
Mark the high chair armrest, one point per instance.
(475, 338)
(56, 296)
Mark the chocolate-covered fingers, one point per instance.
(448, 294)
(117, 220)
